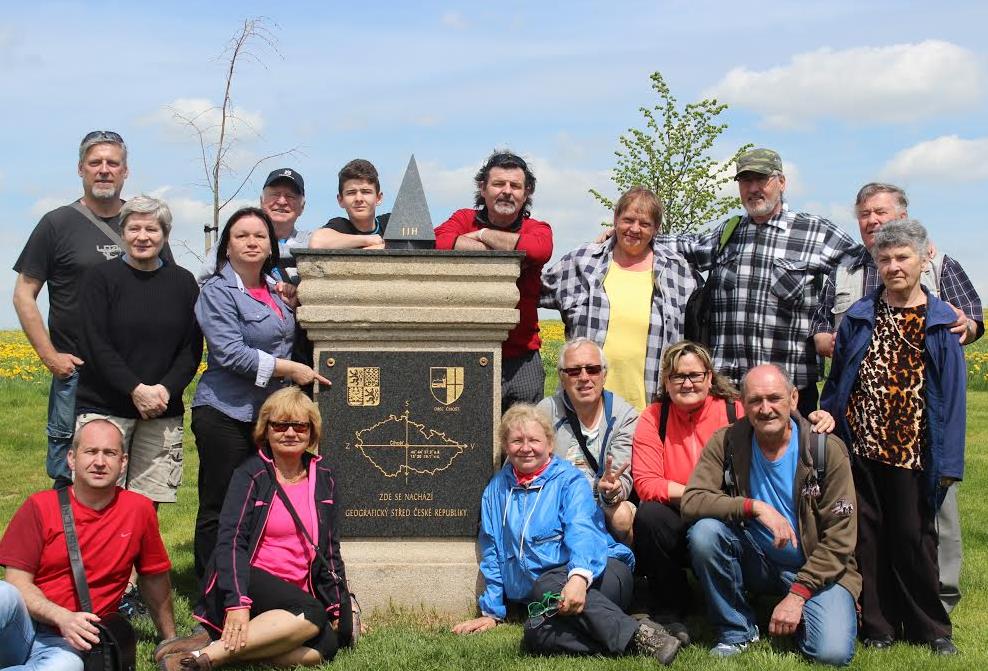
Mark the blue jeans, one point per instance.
(61, 425)
(727, 562)
(25, 647)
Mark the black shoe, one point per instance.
(943, 646)
(880, 643)
(678, 630)
(131, 604)
(651, 639)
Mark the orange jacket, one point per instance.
(654, 464)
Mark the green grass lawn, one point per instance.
(417, 640)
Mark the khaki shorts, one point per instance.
(154, 454)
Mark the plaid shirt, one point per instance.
(575, 287)
(766, 289)
(955, 288)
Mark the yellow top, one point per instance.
(630, 294)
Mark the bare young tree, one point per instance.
(214, 126)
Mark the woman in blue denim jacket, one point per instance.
(542, 532)
(249, 333)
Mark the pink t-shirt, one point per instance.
(283, 550)
(263, 294)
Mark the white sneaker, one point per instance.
(731, 649)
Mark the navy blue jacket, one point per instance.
(945, 385)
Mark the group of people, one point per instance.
(648, 451)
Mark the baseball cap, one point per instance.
(763, 161)
(289, 174)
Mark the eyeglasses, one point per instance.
(681, 378)
(282, 427)
(278, 195)
(574, 371)
(542, 610)
(108, 135)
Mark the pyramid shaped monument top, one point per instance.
(410, 225)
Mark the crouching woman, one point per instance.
(542, 539)
(267, 596)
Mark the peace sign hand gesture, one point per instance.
(609, 484)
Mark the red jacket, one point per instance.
(535, 239)
(654, 464)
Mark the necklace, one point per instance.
(895, 325)
(295, 478)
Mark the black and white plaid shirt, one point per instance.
(955, 288)
(767, 289)
(574, 285)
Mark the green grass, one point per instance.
(412, 640)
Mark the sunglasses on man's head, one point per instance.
(282, 427)
(574, 371)
(108, 135)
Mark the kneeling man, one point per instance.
(756, 484)
(42, 624)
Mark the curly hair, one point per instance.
(508, 161)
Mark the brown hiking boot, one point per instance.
(651, 639)
(183, 661)
(195, 641)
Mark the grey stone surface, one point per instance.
(410, 226)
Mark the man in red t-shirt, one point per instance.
(42, 621)
(504, 197)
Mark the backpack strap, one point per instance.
(820, 457)
(728, 231)
(663, 418)
(100, 224)
(574, 426)
(732, 411)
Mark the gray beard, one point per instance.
(103, 192)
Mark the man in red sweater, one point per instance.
(501, 220)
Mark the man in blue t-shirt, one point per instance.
(769, 519)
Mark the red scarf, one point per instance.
(525, 479)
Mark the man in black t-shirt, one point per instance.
(64, 244)
(359, 194)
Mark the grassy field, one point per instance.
(410, 640)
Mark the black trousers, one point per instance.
(662, 555)
(269, 592)
(522, 380)
(897, 554)
(602, 628)
(223, 443)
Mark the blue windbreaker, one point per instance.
(525, 531)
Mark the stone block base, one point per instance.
(440, 574)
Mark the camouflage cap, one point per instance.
(762, 161)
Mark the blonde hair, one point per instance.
(517, 416)
(285, 403)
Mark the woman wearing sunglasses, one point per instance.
(627, 293)
(542, 532)
(695, 401)
(268, 597)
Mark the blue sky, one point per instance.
(847, 92)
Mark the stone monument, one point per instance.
(411, 340)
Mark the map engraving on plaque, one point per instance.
(399, 446)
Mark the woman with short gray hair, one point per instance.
(897, 390)
(141, 346)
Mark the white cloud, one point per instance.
(173, 119)
(897, 83)
(454, 20)
(946, 158)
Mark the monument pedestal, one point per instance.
(411, 341)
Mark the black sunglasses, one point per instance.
(574, 371)
(108, 135)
